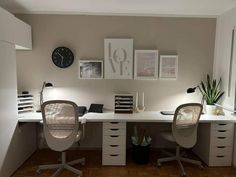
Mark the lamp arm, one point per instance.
(199, 88)
(41, 93)
(228, 109)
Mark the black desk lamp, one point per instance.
(193, 89)
(45, 85)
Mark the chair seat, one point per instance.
(64, 133)
(168, 136)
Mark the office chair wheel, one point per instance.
(39, 171)
(83, 163)
(184, 175)
(201, 167)
(158, 164)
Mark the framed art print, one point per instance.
(168, 67)
(118, 55)
(90, 69)
(146, 64)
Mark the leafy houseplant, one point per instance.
(210, 90)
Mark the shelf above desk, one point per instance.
(147, 116)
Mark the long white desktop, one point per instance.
(215, 135)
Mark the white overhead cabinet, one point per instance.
(22, 35)
(16, 144)
(15, 31)
(225, 59)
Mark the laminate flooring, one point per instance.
(93, 167)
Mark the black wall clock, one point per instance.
(62, 57)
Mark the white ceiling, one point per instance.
(204, 8)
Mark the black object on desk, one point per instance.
(82, 110)
(167, 112)
(96, 108)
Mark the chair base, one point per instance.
(63, 165)
(179, 159)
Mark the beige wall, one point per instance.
(191, 38)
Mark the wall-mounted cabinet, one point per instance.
(22, 35)
(15, 31)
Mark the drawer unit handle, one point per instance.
(221, 130)
(222, 124)
(221, 137)
(114, 129)
(114, 122)
(114, 136)
(114, 155)
(220, 156)
(221, 147)
(113, 145)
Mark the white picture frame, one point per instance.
(118, 56)
(168, 69)
(91, 69)
(146, 64)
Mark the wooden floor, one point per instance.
(93, 167)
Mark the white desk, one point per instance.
(215, 136)
(148, 116)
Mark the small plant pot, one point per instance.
(140, 154)
(210, 109)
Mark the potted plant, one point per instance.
(211, 93)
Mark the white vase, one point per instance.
(210, 109)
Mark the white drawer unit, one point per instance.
(114, 143)
(215, 143)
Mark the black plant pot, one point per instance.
(140, 154)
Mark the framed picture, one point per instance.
(90, 69)
(146, 64)
(168, 67)
(118, 55)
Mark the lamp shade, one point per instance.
(48, 85)
(191, 90)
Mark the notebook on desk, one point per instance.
(167, 112)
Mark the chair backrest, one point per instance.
(185, 124)
(60, 123)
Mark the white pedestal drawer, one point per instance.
(215, 143)
(114, 143)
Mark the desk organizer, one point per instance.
(25, 103)
(124, 103)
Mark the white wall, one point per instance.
(17, 144)
(225, 23)
(8, 94)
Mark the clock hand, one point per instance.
(60, 55)
(62, 61)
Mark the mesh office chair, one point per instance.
(61, 130)
(184, 133)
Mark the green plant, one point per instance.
(210, 90)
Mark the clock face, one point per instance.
(62, 57)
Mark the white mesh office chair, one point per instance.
(61, 131)
(184, 133)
